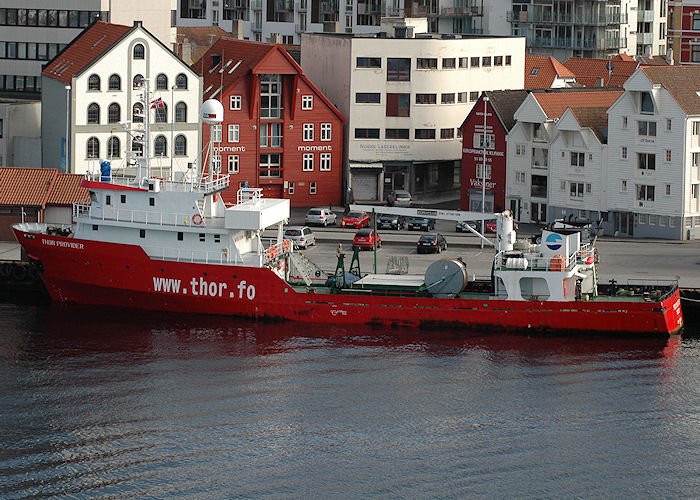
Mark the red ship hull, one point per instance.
(99, 273)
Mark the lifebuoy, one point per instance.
(197, 219)
(271, 253)
(286, 245)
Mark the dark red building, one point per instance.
(500, 107)
(684, 31)
(279, 132)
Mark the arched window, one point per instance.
(161, 82)
(162, 113)
(181, 81)
(161, 146)
(115, 82)
(138, 81)
(180, 145)
(137, 147)
(137, 113)
(114, 147)
(181, 112)
(94, 82)
(93, 147)
(114, 113)
(139, 51)
(93, 113)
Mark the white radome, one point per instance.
(212, 112)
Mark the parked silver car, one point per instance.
(303, 236)
(320, 216)
(400, 198)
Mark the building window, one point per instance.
(137, 145)
(696, 128)
(216, 163)
(216, 132)
(498, 60)
(398, 104)
(113, 147)
(139, 51)
(576, 189)
(646, 161)
(448, 63)
(623, 186)
(308, 132)
(366, 133)
(696, 21)
(474, 96)
(181, 81)
(115, 82)
(695, 53)
(161, 112)
(93, 148)
(463, 62)
(447, 133)
(668, 190)
(180, 145)
(138, 81)
(235, 102)
(426, 63)
(578, 159)
(367, 98)
(520, 177)
(114, 113)
(486, 61)
(508, 60)
(647, 104)
(369, 62)
(233, 162)
(425, 133)
(426, 98)
(645, 193)
(325, 162)
(181, 112)
(474, 62)
(489, 144)
(695, 159)
(307, 102)
(312, 188)
(447, 98)
(480, 171)
(160, 146)
(291, 188)
(270, 96)
(270, 165)
(94, 82)
(668, 155)
(668, 124)
(142, 233)
(308, 162)
(137, 113)
(624, 122)
(271, 135)
(325, 131)
(396, 133)
(93, 113)
(233, 133)
(623, 152)
(398, 69)
(646, 128)
(161, 82)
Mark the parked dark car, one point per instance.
(462, 227)
(386, 221)
(421, 224)
(431, 243)
(364, 238)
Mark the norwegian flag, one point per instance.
(157, 103)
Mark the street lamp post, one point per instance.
(66, 151)
(483, 171)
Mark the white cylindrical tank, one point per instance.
(505, 233)
(516, 263)
(212, 112)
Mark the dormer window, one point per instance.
(647, 104)
(538, 132)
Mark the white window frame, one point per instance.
(307, 164)
(308, 132)
(326, 131)
(490, 141)
(216, 163)
(576, 189)
(520, 177)
(325, 162)
(623, 152)
(520, 149)
(479, 174)
(216, 132)
(233, 164)
(312, 188)
(235, 102)
(307, 102)
(290, 188)
(234, 132)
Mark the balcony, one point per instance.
(467, 11)
(540, 158)
(284, 5)
(645, 38)
(569, 43)
(302, 6)
(645, 16)
(538, 191)
(256, 5)
(256, 26)
(575, 19)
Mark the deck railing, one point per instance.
(84, 210)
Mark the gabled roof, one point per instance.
(541, 71)
(29, 187)
(200, 38)
(66, 190)
(594, 118)
(555, 103)
(239, 58)
(652, 60)
(84, 50)
(505, 103)
(682, 82)
(590, 72)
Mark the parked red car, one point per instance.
(356, 220)
(364, 238)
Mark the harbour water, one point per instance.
(115, 403)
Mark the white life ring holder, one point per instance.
(197, 219)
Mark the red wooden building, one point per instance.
(500, 107)
(684, 31)
(278, 132)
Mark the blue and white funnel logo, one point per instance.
(554, 241)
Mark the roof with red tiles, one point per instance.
(592, 72)
(23, 186)
(554, 104)
(200, 39)
(87, 47)
(239, 58)
(541, 71)
(682, 82)
(66, 190)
